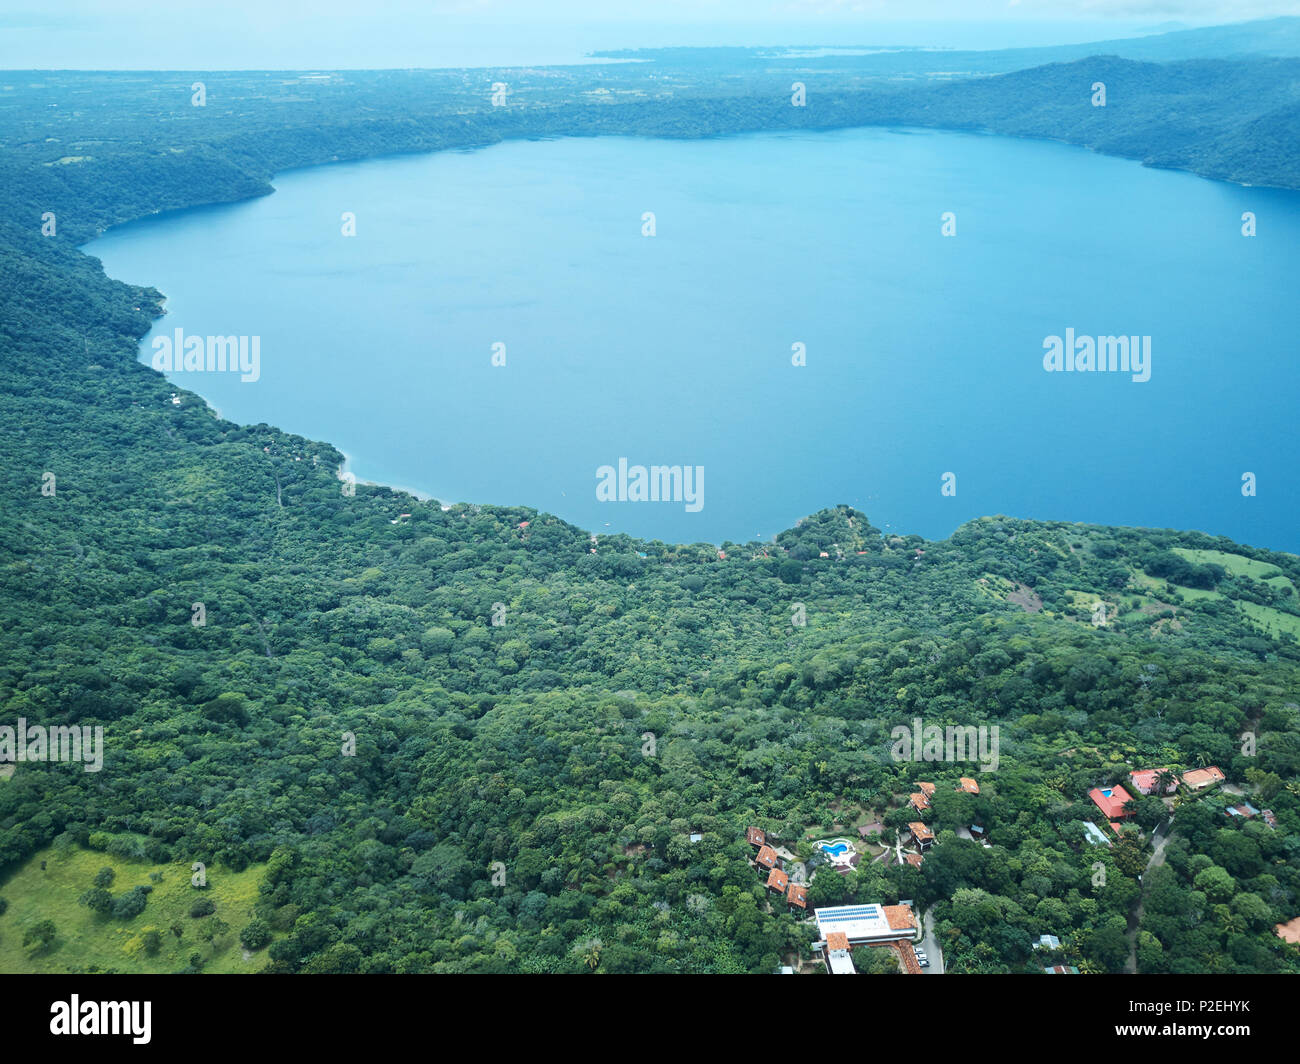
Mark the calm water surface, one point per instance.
(924, 352)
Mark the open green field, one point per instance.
(88, 941)
(1272, 621)
(1157, 585)
(1235, 564)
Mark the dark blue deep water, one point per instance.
(924, 352)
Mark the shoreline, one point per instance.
(475, 143)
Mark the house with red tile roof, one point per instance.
(1200, 778)
(914, 859)
(1145, 780)
(921, 834)
(968, 785)
(767, 857)
(1111, 801)
(837, 955)
(919, 802)
(777, 881)
(756, 837)
(925, 788)
(797, 895)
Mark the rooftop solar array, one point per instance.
(845, 913)
(861, 923)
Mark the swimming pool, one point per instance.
(840, 850)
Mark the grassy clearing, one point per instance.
(1164, 588)
(848, 818)
(1273, 622)
(1235, 564)
(1083, 603)
(87, 941)
(998, 587)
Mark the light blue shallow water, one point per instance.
(924, 352)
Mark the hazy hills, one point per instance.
(1269, 37)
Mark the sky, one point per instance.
(341, 34)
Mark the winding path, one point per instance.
(1161, 837)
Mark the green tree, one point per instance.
(1216, 884)
(255, 935)
(40, 936)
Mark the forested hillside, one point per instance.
(459, 742)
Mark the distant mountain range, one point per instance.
(1268, 37)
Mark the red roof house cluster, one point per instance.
(796, 894)
(1145, 780)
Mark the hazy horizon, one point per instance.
(148, 35)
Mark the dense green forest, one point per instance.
(424, 790)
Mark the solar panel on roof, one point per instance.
(849, 913)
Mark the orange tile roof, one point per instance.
(798, 895)
(1112, 804)
(899, 916)
(919, 801)
(928, 788)
(777, 880)
(767, 857)
(756, 837)
(920, 830)
(837, 940)
(1203, 777)
(911, 966)
(968, 785)
(1145, 780)
(914, 859)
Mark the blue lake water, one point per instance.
(924, 352)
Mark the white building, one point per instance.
(867, 923)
